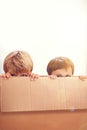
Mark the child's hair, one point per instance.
(59, 63)
(18, 62)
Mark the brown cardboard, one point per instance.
(21, 94)
(44, 104)
(44, 120)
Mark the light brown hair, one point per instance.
(18, 61)
(59, 63)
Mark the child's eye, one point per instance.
(59, 75)
(68, 76)
(13, 75)
(24, 75)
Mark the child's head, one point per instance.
(60, 66)
(18, 63)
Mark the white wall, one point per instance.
(46, 29)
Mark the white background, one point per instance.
(46, 29)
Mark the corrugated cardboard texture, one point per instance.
(21, 94)
(44, 120)
(44, 104)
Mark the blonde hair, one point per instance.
(18, 61)
(59, 63)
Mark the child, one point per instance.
(60, 67)
(18, 63)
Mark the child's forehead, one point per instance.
(62, 71)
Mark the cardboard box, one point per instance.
(44, 104)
